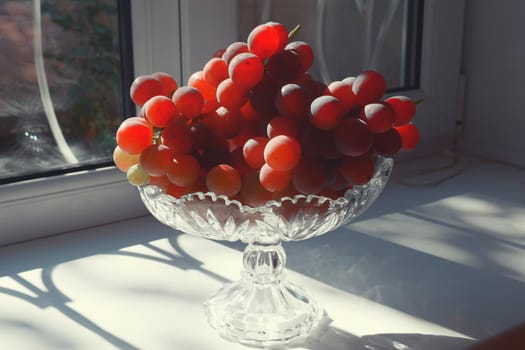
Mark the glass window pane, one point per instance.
(61, 87)
(348, 36)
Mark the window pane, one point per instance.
(61, 89)
(348, 36)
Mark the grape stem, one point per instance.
(419, 101)
(293, 32)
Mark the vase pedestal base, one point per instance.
(262, 315)
(262, 308)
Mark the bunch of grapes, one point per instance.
(253, 125)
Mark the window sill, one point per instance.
(64, 203)
(427, 266)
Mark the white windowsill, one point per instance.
(430, 267)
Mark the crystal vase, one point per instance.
(263, 308)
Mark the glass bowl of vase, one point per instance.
(263, 308)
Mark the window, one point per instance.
(62, 91)
(178, 37)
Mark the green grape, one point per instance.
(137, 176)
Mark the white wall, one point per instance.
(494, 64)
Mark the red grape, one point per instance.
(282, 125)
(226, 123)
(378, 116)
(252, 192)
(305, 52)
(200, 134)
(262, 96)
(343, 92)
(233, 50)
(409, 136)
(156, 159)
(289, 192)
(267, 39)
(253, 151)
(293, 100)
(215, 71)
(177, 137)
(326, 112)
(310, 176)
(188, 101)
(223, 179)
(199, 186)
(231, 95)
(207, 91)
(404, 109)
(218, 152)
(358, 170)
(197, 81)
(168, 82)
(219, 53)
(274, 180)
(284, 66)
(184, 170)
(246, 70)
(282, 153)
(248, 130)
(249, 113)
(352, 137)
(349, 80)
(176, 191)
(387, 143)
(315, 87)
(319, 143)
(369, 86)
(145, 87)
(159, 110)
(134, 134)
(239, 163)
(160, 181)
(282, 33)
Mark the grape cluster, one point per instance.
(255, 126)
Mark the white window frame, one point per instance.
(59, 204)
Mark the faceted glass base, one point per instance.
(262, 314)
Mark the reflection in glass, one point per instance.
(60, 92)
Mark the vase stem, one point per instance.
(264, 263)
